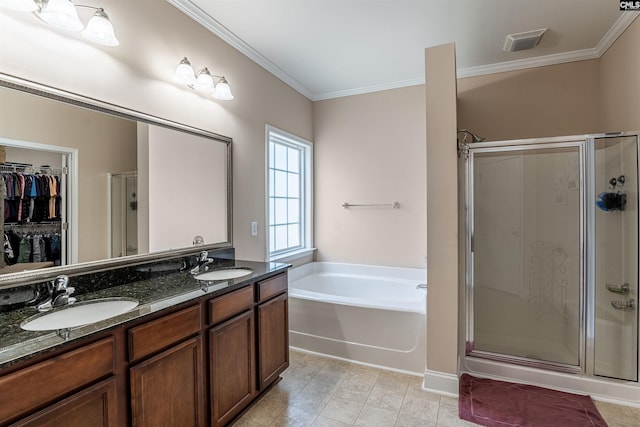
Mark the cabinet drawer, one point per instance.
(94, 406)
(227, 306)
(161, 333)
(272, 287)
(46, 381)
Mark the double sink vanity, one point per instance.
(134, 327)
(189, 341)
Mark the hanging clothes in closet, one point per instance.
(32, 214)
(32, 246)
(31, 197)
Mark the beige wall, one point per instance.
(620, 84)
(370, 149)
(537, 102)
(154, 36)
(105, 144)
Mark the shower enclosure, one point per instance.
(552, 253)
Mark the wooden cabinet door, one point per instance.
(168, 389)
(95, 406)
(232, 367)
(273, 340)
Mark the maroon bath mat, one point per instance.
(501, 404)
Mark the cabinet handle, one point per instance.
(622, 289)
(624, 305)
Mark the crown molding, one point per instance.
(208, 22)
(521, 64)
(367, 89)
(621, 24)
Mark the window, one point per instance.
(289, 183)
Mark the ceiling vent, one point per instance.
(523, 41)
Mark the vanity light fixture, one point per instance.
(202, 81)
(63, 15)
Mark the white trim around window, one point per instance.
(289, 194)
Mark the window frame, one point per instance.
(305, 190)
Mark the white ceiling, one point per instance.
(330, 48)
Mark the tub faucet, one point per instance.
(59, 294)
(203, 260)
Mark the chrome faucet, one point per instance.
(59, 294)
(203, 260)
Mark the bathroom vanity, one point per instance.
(192, 352)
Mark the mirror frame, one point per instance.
(11, 280)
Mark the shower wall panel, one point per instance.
(616, 259)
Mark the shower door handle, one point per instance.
(622, 289)
(624, 305)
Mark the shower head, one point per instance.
(474, 137)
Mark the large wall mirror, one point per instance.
(137, 185)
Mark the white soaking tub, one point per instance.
(368, 314)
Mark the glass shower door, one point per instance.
(526, 219)
(616, 257)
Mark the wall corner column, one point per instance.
(442, 211)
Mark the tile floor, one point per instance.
(322, 392)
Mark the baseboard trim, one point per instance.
(440, 383)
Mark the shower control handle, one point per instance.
(624, 305)
(622, 289)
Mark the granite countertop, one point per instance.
(155, 290)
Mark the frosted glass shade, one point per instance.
(99, 30)
(184, 73)
(204, 81)
(20, 5)
(61, 14)
(223, 91)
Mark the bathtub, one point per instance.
(366, 314)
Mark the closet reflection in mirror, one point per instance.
(181, 178)
(35, 205)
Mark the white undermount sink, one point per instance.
(224, 274)
(79, 314)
